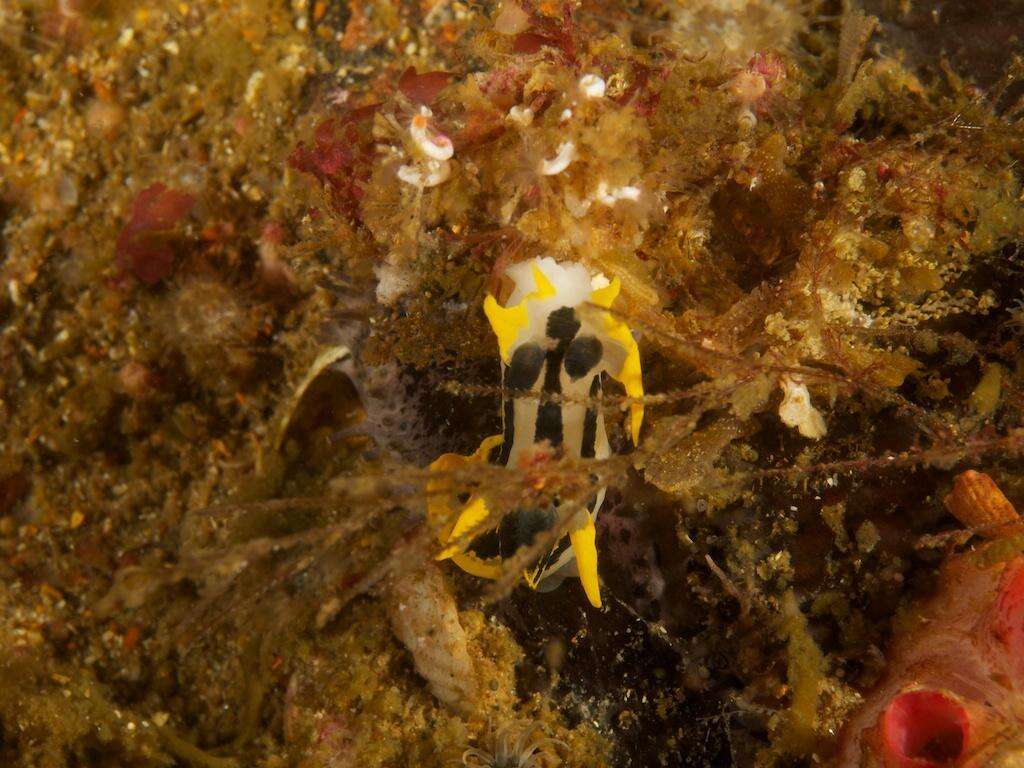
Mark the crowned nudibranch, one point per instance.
(557, 338)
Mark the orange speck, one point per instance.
(50, 592)
(319, 9)
(449, 32)
(131, 638)
(102, 90)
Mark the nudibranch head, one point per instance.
(557, 338)
(552, 297)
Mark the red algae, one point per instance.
(424, 87)
(148, 242)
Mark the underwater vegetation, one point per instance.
(510, 384)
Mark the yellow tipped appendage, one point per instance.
(584, 546)
(455, 535)
(472, 517)
(603, 297)
(506, 322)
(630, 375)
(545, 289)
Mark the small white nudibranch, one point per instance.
(428, 140)
(797, 411)
(521, 116)
(563, 157)
(592, 86)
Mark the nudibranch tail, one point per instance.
(584, 547)
(557, 338)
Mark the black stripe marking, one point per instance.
(549, 415)
(588, 448)
(546, 562)
(508, 422)
(562, 324)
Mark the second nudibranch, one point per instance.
(556, 337)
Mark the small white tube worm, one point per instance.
(521, 116)
(431, 142)
(425, 175)
(564, 156)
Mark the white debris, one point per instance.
(563, 157)
(392, 281)
(566, 115)
(746, 119)
(592, 86)
(578, 207)
(521, 116)
(796, 409)
(253, 85)
(431, 142)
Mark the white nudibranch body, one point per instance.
(557, 340)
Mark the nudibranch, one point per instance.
(557, 339)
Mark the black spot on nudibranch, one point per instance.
(562, 324)
(582, 357)
(519, 527)
(524, 368)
